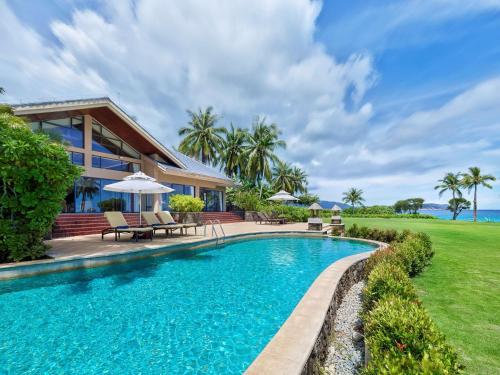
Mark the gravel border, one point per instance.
(346, 349)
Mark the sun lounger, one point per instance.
(167, 219)
(156, 224)
(119, 225)
(267, 219)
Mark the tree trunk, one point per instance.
(475, 203)
(454, 207)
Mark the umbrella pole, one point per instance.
(140, 209)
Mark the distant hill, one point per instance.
(329, 204)
(434, 206)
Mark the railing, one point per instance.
(214, 224)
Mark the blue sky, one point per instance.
(382, 95)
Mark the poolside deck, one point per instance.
(90, 245)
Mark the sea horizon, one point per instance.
(465, 215)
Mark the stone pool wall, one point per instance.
(351, 276)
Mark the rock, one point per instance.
(356, 336)
(346, 351)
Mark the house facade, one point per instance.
(109, 145)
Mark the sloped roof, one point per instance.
(186, 163)
(196, 167)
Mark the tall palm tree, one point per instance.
(234, 145)
(2, 90)
(202, 139)
(353, 197)
(263, 142)
(450, 182)
(283, 178)
(300, 180)
(472, 180)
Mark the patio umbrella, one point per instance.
(282, 196)
(336, 208)
(315, 208)
(138, 183)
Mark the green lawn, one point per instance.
(461, 289)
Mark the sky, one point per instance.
(386, 96)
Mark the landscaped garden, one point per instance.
(460, 289)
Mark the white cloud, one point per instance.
(159, 58)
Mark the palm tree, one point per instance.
(233, 149)
(451, 182)
(353, 197)
(260, 154)
(2, 90)
(202, 139)
(300, 180)
(283, 178)
(472, 180)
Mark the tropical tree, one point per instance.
(456, 205)
(283, 178)
(263, 142)
(299, 180)
(2, 90)
(202, 138)
(401, 206)
(451, 182)
(472, 180)
(308, 199)
(353, 197)
(415, 204)
(234, 145)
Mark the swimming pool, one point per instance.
(207, 311)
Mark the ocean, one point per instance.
(466, 215)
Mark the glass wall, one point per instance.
(69, 129)
(178, 189)
(105, 141)
(213, 200)
(114, 164)
(88, 196)
(76, 158)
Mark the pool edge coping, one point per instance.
(290, 349)
(37, 267)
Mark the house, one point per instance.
(109, 145)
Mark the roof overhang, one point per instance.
(186, 173)
(95, 108)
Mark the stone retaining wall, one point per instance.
(351, 276)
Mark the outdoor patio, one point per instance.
(93, 245)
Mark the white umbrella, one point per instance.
(282, 196)
(139, 183)
(336, 208)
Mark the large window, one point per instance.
(69, 129)
(178, 189)
(76, 158)
(105, 141)
(88, 196)
(114, 164)
(213, 200)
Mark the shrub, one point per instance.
(403, 340)
(387, 279)
(246, 200)
(387, 235)
(414, 253)
(35, 175)
(186, 203)
(383, 255)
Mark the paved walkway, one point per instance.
(93, 245)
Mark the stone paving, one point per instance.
(93, 245)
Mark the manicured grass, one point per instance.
(461, 289)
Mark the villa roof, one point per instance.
(185, 163)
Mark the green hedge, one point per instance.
(387, 279)
(404, 340)
(400, 335)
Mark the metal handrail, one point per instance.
(214, 230)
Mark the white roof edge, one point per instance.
(187, 172)
(92, 103)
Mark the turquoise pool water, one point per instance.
(209, 311)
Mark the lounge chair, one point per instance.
(156, 224)
(167, 219)
(119, 225)
(266, 219)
